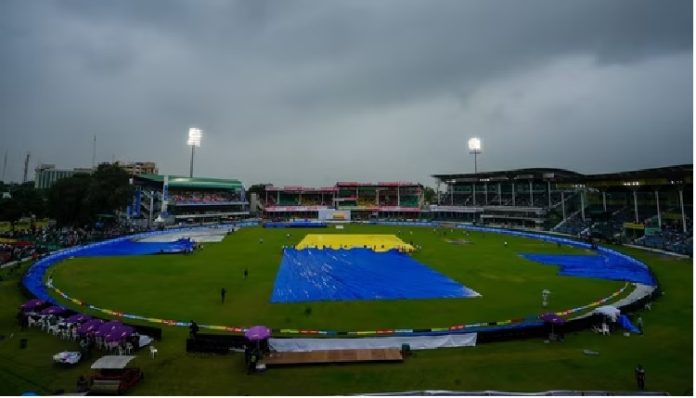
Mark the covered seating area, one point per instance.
(107, 336)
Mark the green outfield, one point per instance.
(187, 287)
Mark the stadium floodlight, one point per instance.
(194, 140)
(475, 148)
(194, 137)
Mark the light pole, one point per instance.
(194, 140)
(475, 148)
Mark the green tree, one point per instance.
(10, 210)
(110, 189)
(68, 200)
(78, 200)
(258, 189)
(31, 200)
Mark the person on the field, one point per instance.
(193, 329)
(223, 292)
(82, 384)
(246, 273)
(545, 297)
(640, 377)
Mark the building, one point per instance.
(46, 175)
(652, 207)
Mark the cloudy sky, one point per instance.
(314, 92)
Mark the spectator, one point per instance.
(82, 384)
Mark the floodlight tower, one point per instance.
(475, 148)
(194, 140)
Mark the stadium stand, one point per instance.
(187, 199)
(641, 207)
(383, 200)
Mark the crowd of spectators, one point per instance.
(671, 237)
(310, 200)
(187, 197)
(387, 200)
(13, 252)
(573, 226)
(36, 241)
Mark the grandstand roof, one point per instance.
(505, 175)
(680, 171)
(677, 174)
(377, 184)
(190, 183)
(299, 189)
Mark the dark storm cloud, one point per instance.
(311, 92)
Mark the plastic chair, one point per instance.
(153, 351)
(53, 329)
(605, 329)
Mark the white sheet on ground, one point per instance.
(144, 340)
(203, 235)
(416, 343)
(638, 293)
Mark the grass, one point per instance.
(530, 365)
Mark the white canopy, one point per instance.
(112, 362)
(609, 311)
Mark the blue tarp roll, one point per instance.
(359, 274)
(33, 278)
(295, 224)
(626, 324)
(602, 266)
(135, 248)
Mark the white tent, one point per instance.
(112, 362)
(609, 311)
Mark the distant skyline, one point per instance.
(296, 92)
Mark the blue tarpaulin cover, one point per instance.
(136, 248)
(601, 266)
(33, 279)
(359, 274)
(626, 324)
